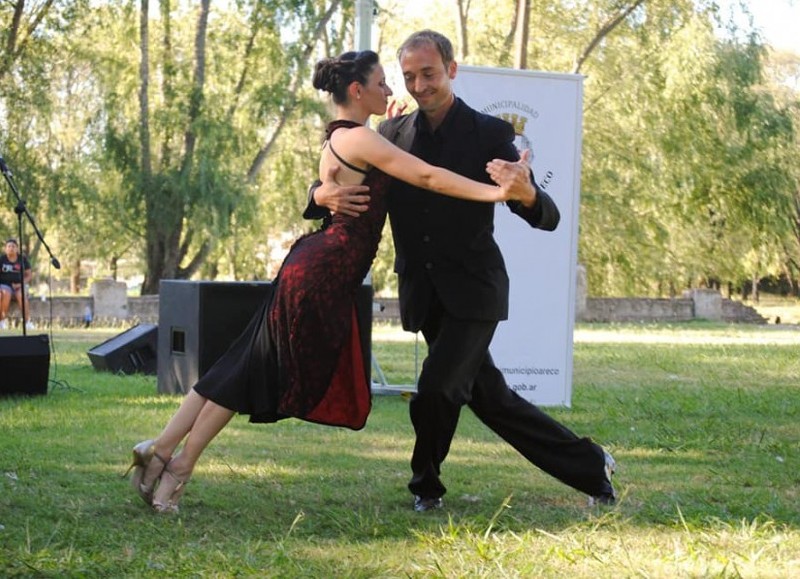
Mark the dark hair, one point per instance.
(439, 40)
(335, 74)
(12, 240)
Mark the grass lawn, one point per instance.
(703, 419)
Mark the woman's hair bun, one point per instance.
(335, 74)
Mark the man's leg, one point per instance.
(545, 442)
(456, 349)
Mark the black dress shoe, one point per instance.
(606, 499)
(422, 504)
(610, 497)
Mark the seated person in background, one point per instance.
(13, 266)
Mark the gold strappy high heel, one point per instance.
(143, 454)
(174, 488)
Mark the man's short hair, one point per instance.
(12, 240)
(439, 40)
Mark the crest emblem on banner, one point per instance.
(518, 114)
(521, 140)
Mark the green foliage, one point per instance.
(697, 187)
(690, 148)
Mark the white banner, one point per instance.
(533, 347)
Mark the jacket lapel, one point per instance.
(406, 132)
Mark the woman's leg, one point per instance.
(210, 421)
(171, 436)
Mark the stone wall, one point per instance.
(700, 304)
(144, 309)
(637, 310)
(695, 304)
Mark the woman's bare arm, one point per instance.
(365, 146)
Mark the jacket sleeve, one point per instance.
(314, 211)
(543, 215)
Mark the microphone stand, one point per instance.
(21, 210)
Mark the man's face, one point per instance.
(426, 77)
(11, 249)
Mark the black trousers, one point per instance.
(459, 370)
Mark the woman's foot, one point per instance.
(170, 488)
(147, 466)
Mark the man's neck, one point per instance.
(435, 118)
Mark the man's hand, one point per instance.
(514, 178)
(345, 199)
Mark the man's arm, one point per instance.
(543, 215)
(329, 197)
(312, 210)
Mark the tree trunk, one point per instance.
(521, 34)
(144, 86)
(165, 212)
(196, 98)
(462, 10)
(75, 277)
(251, 41)
(16, 43)
(604, 31)
(13, 32)
(167, 77)
(154, 255)
(263, 152)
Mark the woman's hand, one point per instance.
(514, 178)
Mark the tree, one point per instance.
(30, 80)
(190, 194)
(187, 133)
(21, 30)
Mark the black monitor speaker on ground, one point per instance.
(25, 362)
(131, 352)
(198, 321)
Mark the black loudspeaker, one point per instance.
(198, 321)
(133, 351)
(24, 365)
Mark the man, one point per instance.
(453, 284)
(13, 267)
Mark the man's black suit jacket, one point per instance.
(446, 245)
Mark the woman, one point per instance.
(14, 270)
(300, 355)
